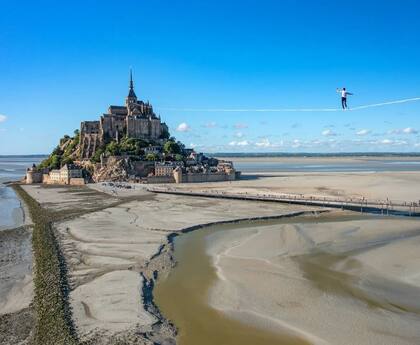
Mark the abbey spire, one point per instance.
(131, 98)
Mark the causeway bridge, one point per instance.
(363, 205)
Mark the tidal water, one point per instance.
(183, 298)
(12, 169)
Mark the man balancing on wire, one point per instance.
(344, 95)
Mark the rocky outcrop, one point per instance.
(116, 169)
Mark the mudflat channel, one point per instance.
(337, 278)
(182, 297)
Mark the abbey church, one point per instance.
(135, 119)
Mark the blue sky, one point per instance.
(64, 63)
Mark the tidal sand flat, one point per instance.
(397, 186)
(114, 254)
(340, 282)
(16, 286)
(328, 280)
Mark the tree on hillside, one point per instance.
(55, 162)
(152, 157)
(97, 156)
(112, 149)
(171, 147)
(66, 160)
(132, 146)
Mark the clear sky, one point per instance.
(64, 62)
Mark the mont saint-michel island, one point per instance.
(128, 143)
(210, 173)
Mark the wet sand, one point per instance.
(329, 280)
(16, 284)
(183, 298)
(336, 282)
(397, 186)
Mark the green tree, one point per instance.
(66, 160)
(179, 157)
(132, 146)
(57, 151)
(113, 149)
(97, 156)
(171, 147)
(55, 162)
(152, 157)
(128, 145)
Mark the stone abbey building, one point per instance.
(135, 119)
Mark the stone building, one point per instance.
(166, 168)
(68, 174)
(136, 119)
(34, 175)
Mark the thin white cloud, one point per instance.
(363, 132)
(296, 143)
(328, 133)
(264, 143)
(239, 135)
(183, 127)
(407, 130)
(3, 118)
(239, 143)
(410, 130)
(393, 142)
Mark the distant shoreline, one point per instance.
(24, 156)
(313, 154)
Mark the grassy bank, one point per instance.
(53, 323)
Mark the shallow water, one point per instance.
(381, 306)
(183, 298)
(10, 212)
(12, 169)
